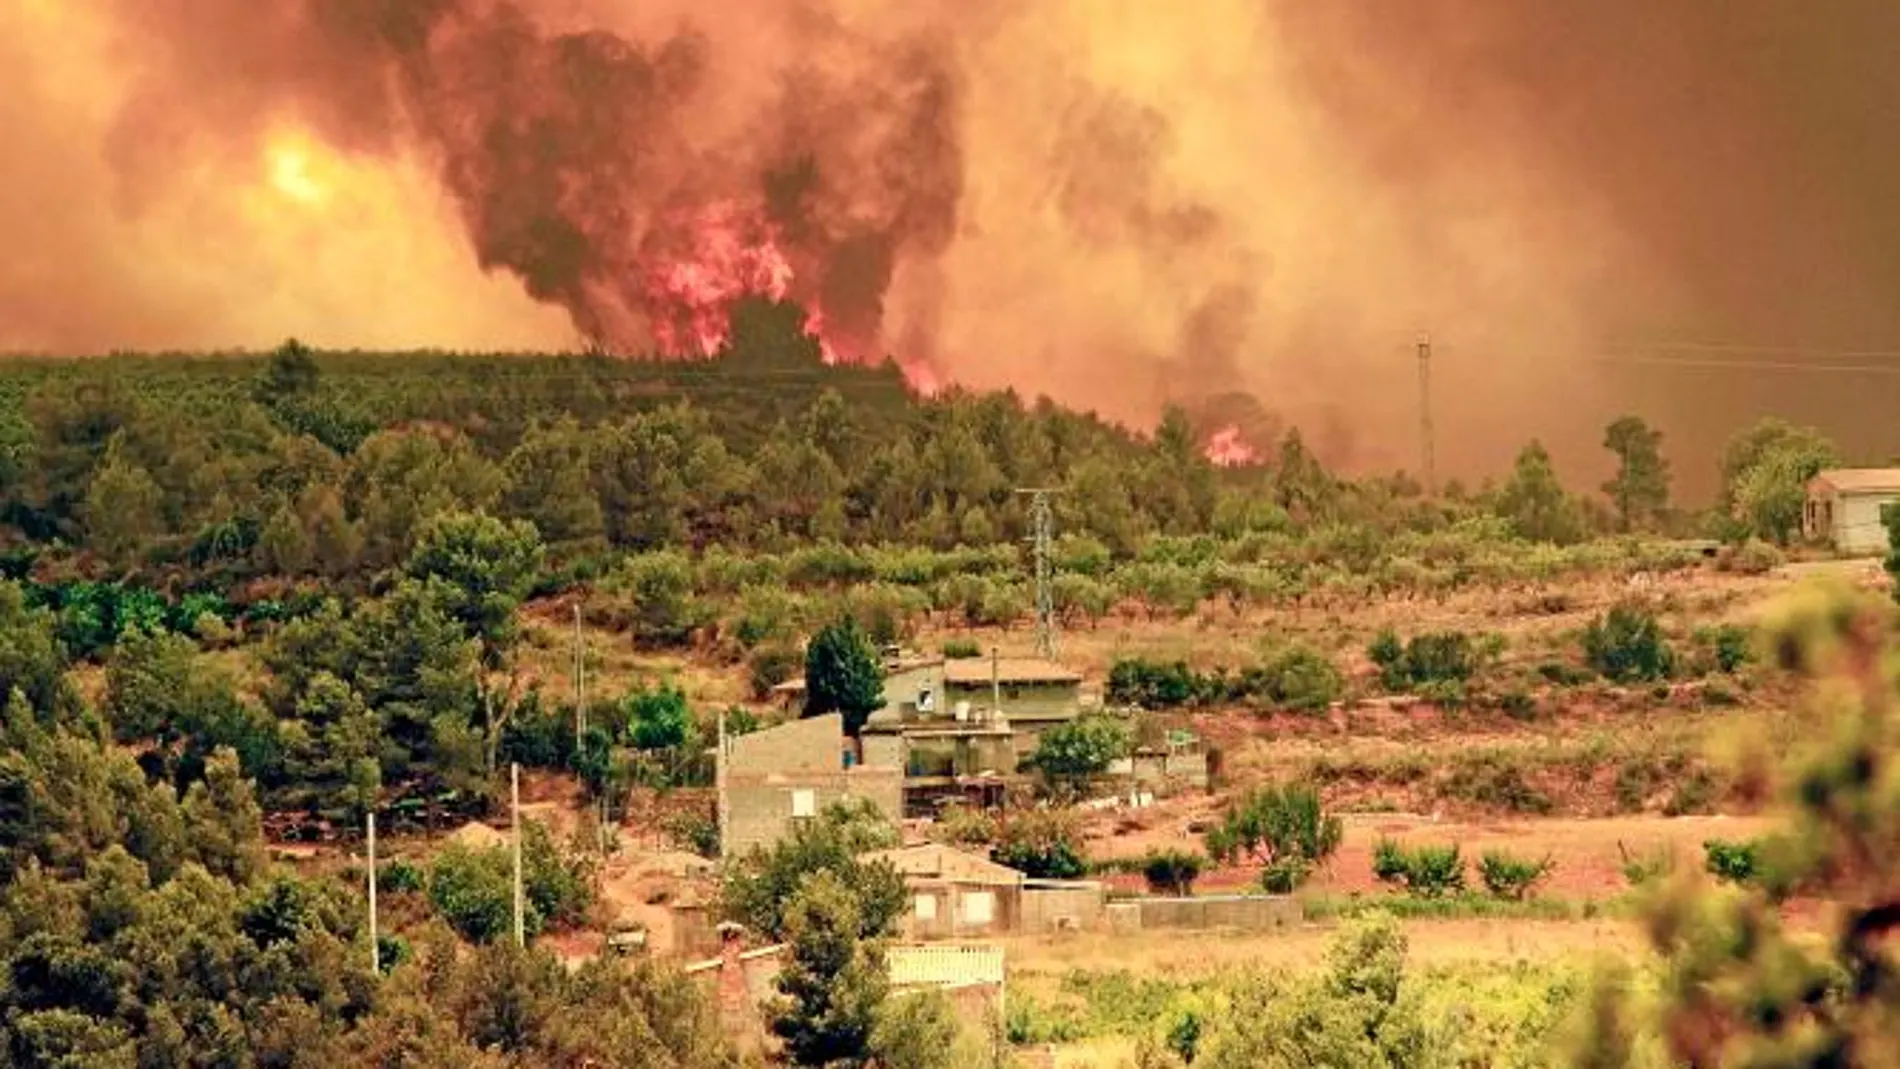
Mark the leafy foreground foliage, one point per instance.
(1366, 1007)
(1738, 989)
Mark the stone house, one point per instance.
(953, 894)
(772, 779)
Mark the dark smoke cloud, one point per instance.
(1117, 205)
(580, 158)
(1748, 146)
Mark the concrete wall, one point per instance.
(774, 775)
(1167, 772)
(945, 910)
(1253, 913)
(883, 751)
(1857, 527)
(904, 688)
(1029, 700)
(1057, 907)
(761, 807)
(811, 745)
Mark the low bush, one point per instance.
(1753, 557)
(1730, 646)
(1641, 870)
(963, 826)
(1493, 780)
(772, 664)
(1506, 876)
(1298, 677)
(962, 649)
(1732, 862)
(697, 832)
(1153, 684)
(1441, 657)
(1626, 645)
(1172, 872)
(1042, 844)
(399, 877)
(1429, 871)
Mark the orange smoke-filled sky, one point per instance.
(1113, 202)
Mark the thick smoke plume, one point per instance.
(1251, 206)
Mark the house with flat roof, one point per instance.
(1843, 508)
(1033, 694)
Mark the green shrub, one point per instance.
(1285, 875)
(1152, 684)
(962, 649)
(1731, 644)
(399, 877)
(1172, 871)
(1302, 678)
(1518, 704)
(772, 664)
(1435, 657)
(1071, 755)
(964, 826)
(1506, 876)
(1286, 828)
(697, 832)
(1042, 844)
(1492, 779)
(1429, 871)
(1694, 793)
(1753, 557)
(1641, 870)
(1732, 862)
(1627, 646)
(473, 890)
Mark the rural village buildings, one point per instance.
(1843, 508)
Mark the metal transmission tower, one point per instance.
(1044, 518)
(1426, 448)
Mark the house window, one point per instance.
(926, 907)
(979, 907)
(925, 701)
(804, 804)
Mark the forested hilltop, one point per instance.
(286, 590)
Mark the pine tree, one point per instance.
(842, 675)
(1640, 489)
(834, 983)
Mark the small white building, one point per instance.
(1843, 508)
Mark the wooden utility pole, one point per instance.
(996, 681)
(375, 950)
(514, 791)
(720, 816)
(1427, 451)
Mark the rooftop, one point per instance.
(981, 670)
(932, 861)
(1860, 480)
